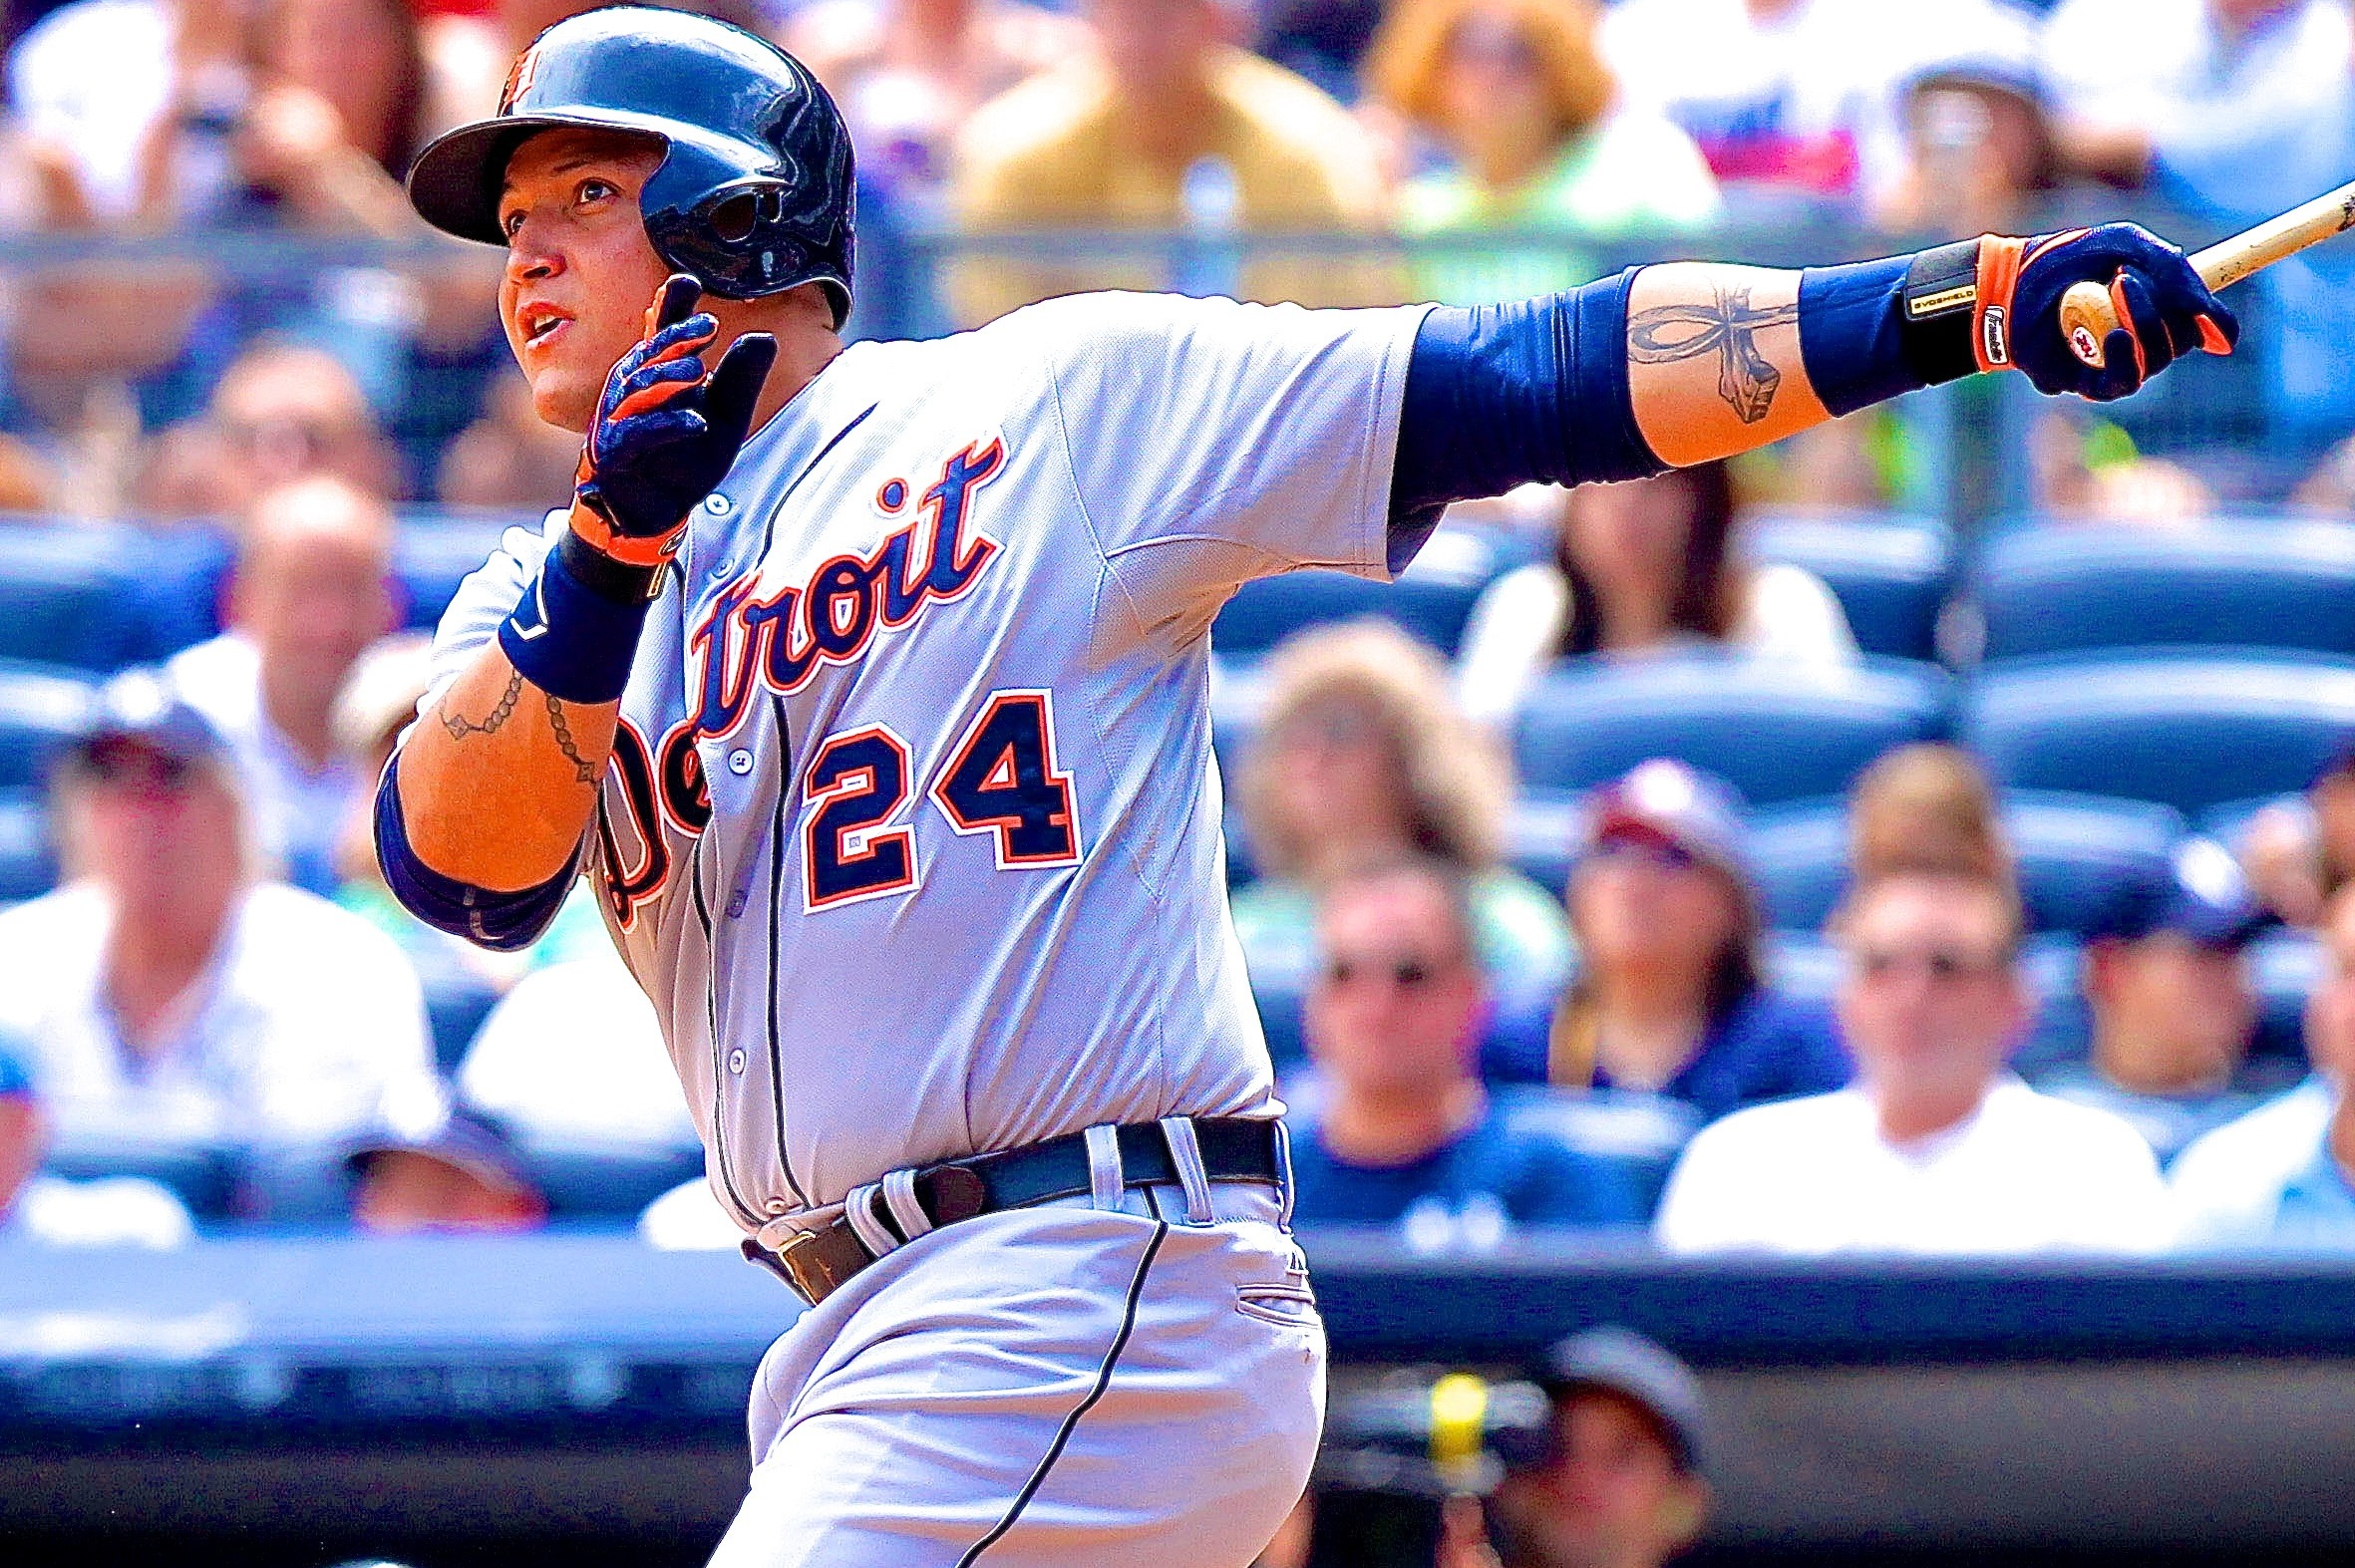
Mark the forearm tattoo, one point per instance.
(1746, 379)
(460, 726)
(582, 769)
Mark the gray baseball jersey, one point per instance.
(913, 827)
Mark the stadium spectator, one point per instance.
(1403, 1132)
(573, 1056)
(508, 460)
(1642, 567)
(1323, 39)
(2234, 110)
(463, 1177)
(2300, 850)
(1516, 95)
(1788, 98)
(1166, 124)
(168, 993)
(1671, 999)
(909, 73)
(282, 412)
(1926, 807)
(311, 590)
(93, 78)
(2284, 1175)
(1936, 1149)
(1361, 757)
(107, 1211)
(2174, 1009)
(1619, 1485)
(1971, 116)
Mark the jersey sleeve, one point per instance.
(483, 600)
(1211, 442)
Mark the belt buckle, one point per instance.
(811, 1280)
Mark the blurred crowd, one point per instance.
(266, 301)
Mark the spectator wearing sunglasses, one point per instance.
(1363, 755)
(166, 995)
(1936, 1149)
(1671, 999)
(1403, 1130)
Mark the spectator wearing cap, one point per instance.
(165, 992)
(1938, 1148)
(1619, 1483)
(1671, 999)
(2173, 1010)
(2284, 1174)
(311, 591)
(1401, 1130)
(1971, 117)
(464, 1175)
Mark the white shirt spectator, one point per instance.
(1787, 613)
(1801, 101)
(111, 1211)
(310, 1027)
(92, 77)
(2226, 1183)
(2025, 1173)
(573, 1053)
(2160, 64)
(688, 1218)
(297, 811)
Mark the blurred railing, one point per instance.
(1968, 446)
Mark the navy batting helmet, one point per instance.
(754, 194)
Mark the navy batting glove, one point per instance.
(666, 431)
(2163, 309)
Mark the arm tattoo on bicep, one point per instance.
(565, 741)
(460, 726)
(1746, 379)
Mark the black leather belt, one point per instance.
(816, 1263)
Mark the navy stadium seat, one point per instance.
(435, 550)
(2189, 730)
(2228, 820)
(203, 1175)
(1890, 572)
(27, 859)
(1776, 732)
(1636, 1135)
(2267, 583)
(1431, 599)
(2284, 967)
(40, 708)
(585, 1181)
(65, 594)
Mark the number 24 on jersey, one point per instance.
(1001, 782)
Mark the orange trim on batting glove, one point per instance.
(2001, 261)
(648, 552)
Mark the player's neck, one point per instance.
(1379, 1128)
(802, 352)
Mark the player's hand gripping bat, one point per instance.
(2090, 312)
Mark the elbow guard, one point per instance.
(501, 922)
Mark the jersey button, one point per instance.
(736, 1060)
(778, 1206)
(740, 762)
(718, 505)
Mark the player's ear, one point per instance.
(1683, 1510)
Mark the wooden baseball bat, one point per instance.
(2088, 317)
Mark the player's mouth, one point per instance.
(542, 324)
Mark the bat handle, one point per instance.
(2088, 317)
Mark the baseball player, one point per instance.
(869, 686)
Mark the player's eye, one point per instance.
(594, 191)
(510, 223)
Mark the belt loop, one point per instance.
(900, 1196)
(1186, 1153)
(859, 1209)
(1107, 1184)
(1283, 1174)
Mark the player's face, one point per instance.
(580, 270)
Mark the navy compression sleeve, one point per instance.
(1501, 395)
(502, 922)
